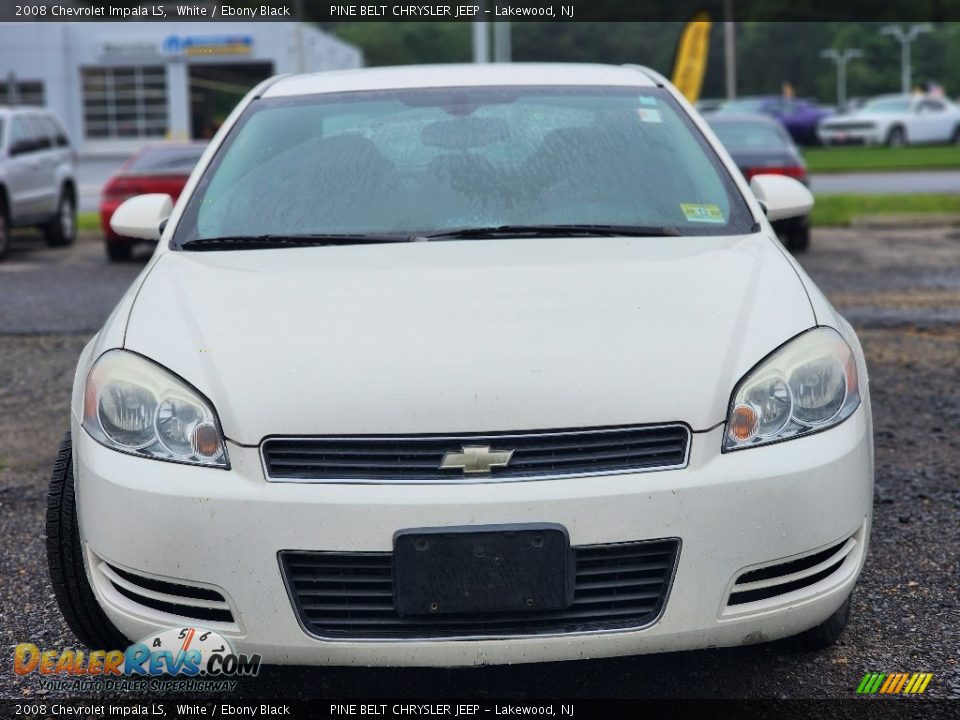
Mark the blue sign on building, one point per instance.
(208, 44)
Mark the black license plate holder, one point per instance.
(482, 569)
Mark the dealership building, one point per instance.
(119, 85)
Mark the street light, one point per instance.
(906, 37)
(841, 58)
(481, 38)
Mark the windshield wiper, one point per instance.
(501, 231)
(261, 242)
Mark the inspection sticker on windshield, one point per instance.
(702, 213)
(649, 115)
(647, 100)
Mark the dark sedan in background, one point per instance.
(153, 169)
(800, 117)
(759, 144)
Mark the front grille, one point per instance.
(849, 126)
(350, 595)
(554, 453)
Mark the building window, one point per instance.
(24, 92)
(125, 102)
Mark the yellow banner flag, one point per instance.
(690, 64)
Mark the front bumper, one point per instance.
(734, 511)
(857, 136)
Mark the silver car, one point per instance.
(37, 180)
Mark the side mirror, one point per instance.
(141, 216)
(782, 197)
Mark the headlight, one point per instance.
(807, 385)
(133, 405)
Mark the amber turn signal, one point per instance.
(743, 423)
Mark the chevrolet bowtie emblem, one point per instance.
(476, 459)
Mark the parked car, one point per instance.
(800, 117)
(759, 145)
(451, 365)
(709, 105)
(162, 168)
(37, 176)
(895, 120)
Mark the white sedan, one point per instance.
(895, 120)
(459, 365)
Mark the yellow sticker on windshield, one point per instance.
(702, 213)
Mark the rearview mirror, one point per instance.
(782, 197)
(141, 216)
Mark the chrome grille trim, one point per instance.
(415, 459)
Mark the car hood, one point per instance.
(464, 336)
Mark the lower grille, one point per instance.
(552, 453)
(350, 595)
(186, 601)
(774, 580)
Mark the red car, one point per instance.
(153, 169)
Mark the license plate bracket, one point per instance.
(480, 569)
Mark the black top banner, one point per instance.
(331, 11)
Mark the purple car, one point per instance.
(799, 117)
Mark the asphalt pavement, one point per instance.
(896, 183)
(901, 290)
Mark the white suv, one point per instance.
(37, 179)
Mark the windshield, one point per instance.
(749, 135)
(888, 105)
(425, 161)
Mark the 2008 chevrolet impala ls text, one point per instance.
(463, 365)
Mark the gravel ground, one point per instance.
(900, 289)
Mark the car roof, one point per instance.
(738, 98)
(740, 117)
(11, 109)
(460, 75)
(893, 96)
(172, 144)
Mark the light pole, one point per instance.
(842, 59)
(481, 41)
(729, 50)
(906, 37)
(501, 42)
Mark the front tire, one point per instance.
(65, 558)
(62, 229)
(825, 634)
(119, 251)
(798, 240)
(4, 231)
(896, 137)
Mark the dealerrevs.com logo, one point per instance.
(198, 659)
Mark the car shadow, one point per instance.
(724, 672)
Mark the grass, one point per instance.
(87, 221)
(878, 159)
(841, 209)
